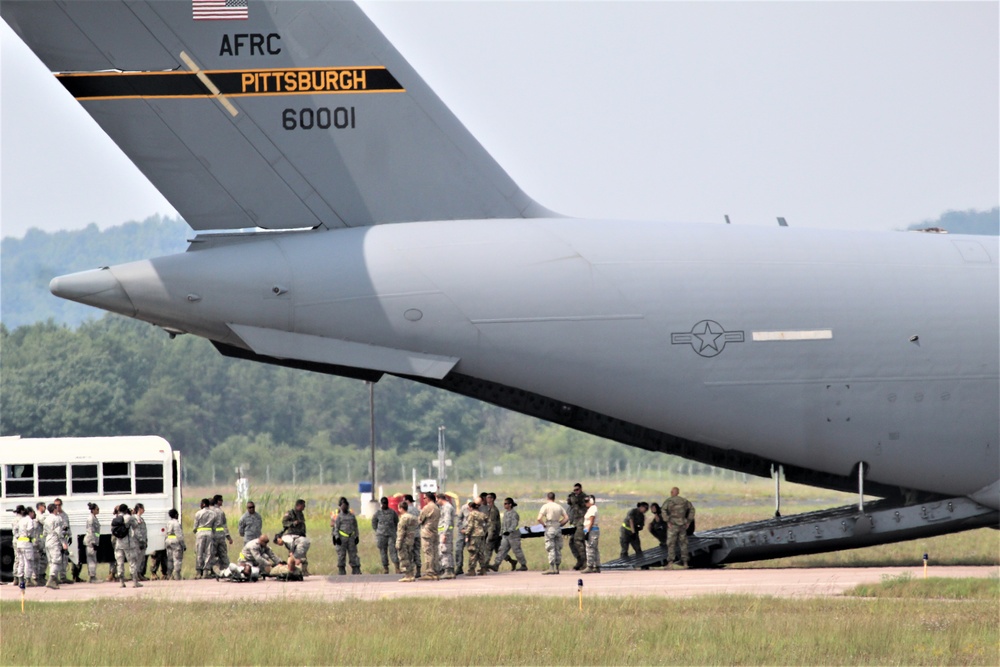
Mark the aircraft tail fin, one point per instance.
(278, 114)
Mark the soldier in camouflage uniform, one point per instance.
(430, 517)
(628, 534)
(92, 540)
(175, 545)
(344, 530)
(489, 508)
(407, 534)
(251, 524)
(52, 525)
(577, 504)
(475, 537)
(446, 536)
(204, 520)
(67, 540)
(460, 524)
(293, 535)
(553, 517)
(384, 523)
(510, 538)
(141, 540)
(257, 553)
(41, 557)
(298, 549)
(414, 509)
(679, 514)
(125, 549)
(220, 535)
(23, 540)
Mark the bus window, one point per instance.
(148, 478)
(52, 480)
(117, 478)
(20, 480)
(85, 478)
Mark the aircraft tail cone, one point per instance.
(98, 287)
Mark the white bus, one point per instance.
(106, 471)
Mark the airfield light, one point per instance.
(925, 566)
(579, 591)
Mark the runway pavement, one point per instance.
(781, 582)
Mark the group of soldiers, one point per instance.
(256, 557)
(669, 526)
(427, 543)
(430, 542)
(42, 537)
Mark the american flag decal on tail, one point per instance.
(220, 10)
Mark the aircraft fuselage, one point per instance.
(818, 349)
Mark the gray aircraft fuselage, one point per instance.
(815, 349)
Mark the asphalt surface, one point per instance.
(780, 582)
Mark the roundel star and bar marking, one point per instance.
(707, 338)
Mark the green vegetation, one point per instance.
(939, 588)
(515, 631)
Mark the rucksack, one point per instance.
(118, 527)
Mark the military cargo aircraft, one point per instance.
(351, 225)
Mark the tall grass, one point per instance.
(504, 631)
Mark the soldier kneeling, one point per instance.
(256, 553)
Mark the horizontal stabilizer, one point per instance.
(320, 350)
(277, 114)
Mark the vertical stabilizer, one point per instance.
(276, 114)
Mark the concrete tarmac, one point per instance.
(780, 582)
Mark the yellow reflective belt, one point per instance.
(23, 539)
(220, 528)
(169, 536)
(625, 526)
(343, 534)
(204, 528)
(441, 529)
(242, 557)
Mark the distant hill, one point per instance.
(986, 223)
(27, 265)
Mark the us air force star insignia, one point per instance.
(708, 338)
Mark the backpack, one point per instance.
(118, 527)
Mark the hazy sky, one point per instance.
(839, 114)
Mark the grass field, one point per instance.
(508, 631)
